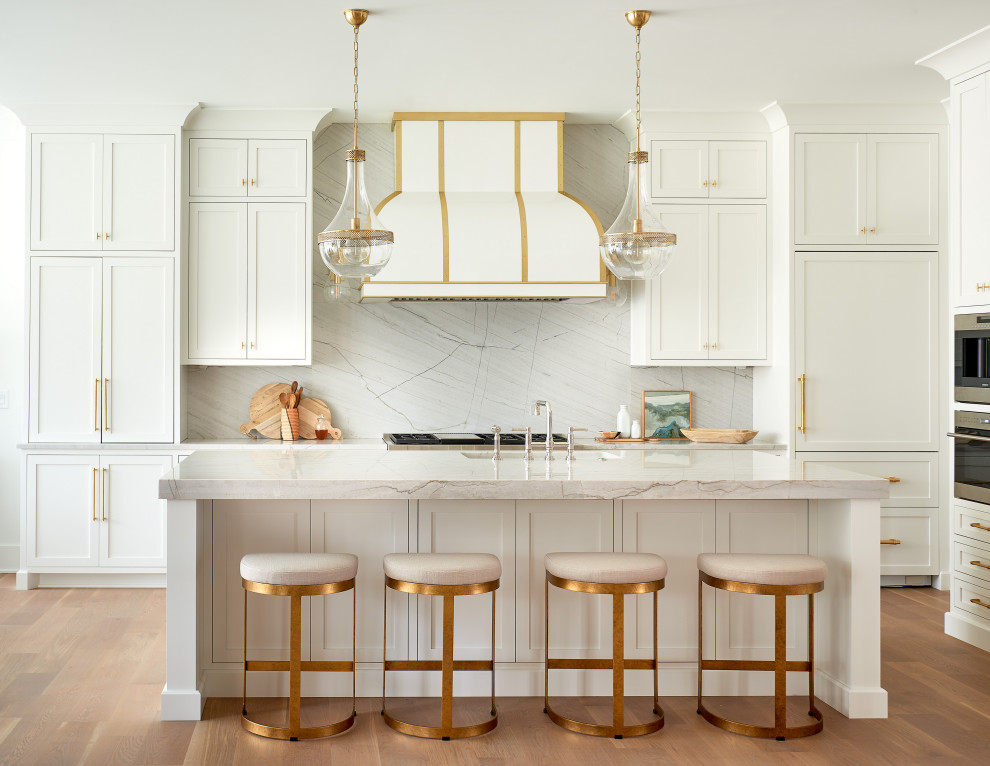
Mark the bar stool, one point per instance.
(447, 575)
(617, 574)
(296, 575)
(777, 575)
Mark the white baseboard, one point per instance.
(10, 558)
(970, 630)
(28, 580)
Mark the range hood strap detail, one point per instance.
(443, 205)
(524, 243)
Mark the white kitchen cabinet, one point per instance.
(708, 169)
(710, 305)
(866, 351)
(369, 530)
(866, 189)
(89, 510)
(255, 526)
(970, 272)
(239, 167)
(475, 526)
(581, 624)
(248, 283)
(102, 192)
(101, 342)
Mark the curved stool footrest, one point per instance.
(285, 732)
(438, 732)
(599, 730)
(764, 732)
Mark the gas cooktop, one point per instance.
(513, 438)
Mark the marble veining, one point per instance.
(401, 366)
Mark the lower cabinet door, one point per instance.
(909, 541)
(677, 530)
(580, 623)
(132, 517)
(369, 529)
(254, 526)
(744, 622)
(472, 526)
(63, 507)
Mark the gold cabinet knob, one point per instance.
(242, 182)
(252, 182)
(704, 345)
(714, 183)
(106, 236)
(97, 235)
(252, 344)
(714, 345)
(242, 344)
(873, 230)
(892, 479)
(863, 230)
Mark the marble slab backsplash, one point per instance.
(459, 366)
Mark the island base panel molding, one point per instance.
(969, 630)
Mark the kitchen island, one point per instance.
(677, 503)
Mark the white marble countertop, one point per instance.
(442, 474)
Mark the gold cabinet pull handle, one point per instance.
(97, 235)
(980, 564)
(704, 183)
(873, 230)
(104, 498)
(863, 230)
(106, 236)
(802, 380)
(252, 344)
(252, 182)
(96, 405)
(242, 344)
(94, 494)
(704, 345)
(714, 345)
(891, 541)
(980, 526)
(979, 603)
(892, 479)
(242, 182)
(714, 183)
(106, 408)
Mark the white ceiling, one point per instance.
(574, 56)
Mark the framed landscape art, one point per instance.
(665, 413)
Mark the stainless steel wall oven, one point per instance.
(972, 455)
(972, 358)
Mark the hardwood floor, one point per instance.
(81, 672)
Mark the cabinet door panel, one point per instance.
(738, 169)
(277, 168)
(677, 530)
(911, 546)
(217, 280)
(63, 499)
(369, 529)
(254, 526)
(971, 187)
(66, 384)
(132, 517)
(679, 168)
(66, 191)
(737, 298)
(902, 184)
(474, 526)
(278, 256)
(137, 349)
(217, 167)
(829, 189)
(581, 623)
(865, 338)
(678, 313)
(139, 192)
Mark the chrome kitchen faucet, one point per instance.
(536, 411)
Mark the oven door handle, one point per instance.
(968, 436)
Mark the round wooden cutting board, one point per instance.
(266, 410)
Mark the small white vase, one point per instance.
(623, 422)
(636, 430)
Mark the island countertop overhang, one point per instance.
(380, 475)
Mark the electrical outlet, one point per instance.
(4, 398)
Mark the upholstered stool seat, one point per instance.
(617, 574)
(296, 575)
(778, 575)
(447, 575)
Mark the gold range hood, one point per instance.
(480, 214)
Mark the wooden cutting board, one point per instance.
(266, 412)
(309, 411)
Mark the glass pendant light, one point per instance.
(355, 244)
(637, 246)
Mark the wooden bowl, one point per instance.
(609, 434)
(718, 435)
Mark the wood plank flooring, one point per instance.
(81, 672)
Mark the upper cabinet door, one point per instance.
(66, 393)
(139, 192)
(218, 167)
(971, 187)
(738, 169)
(277, 168)
(278, 314)
(217, 281)
(679, 168)
(737, 302)
(902, 184)
(829, 189)
(138, 349)
(66, 191)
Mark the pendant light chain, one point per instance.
(638, 215)
(356, 85)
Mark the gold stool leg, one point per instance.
(618, 671)
(244, 670)
(780, 666)
(295, 667)
(447, 669)
(494, 711)
(546, 653)
(384, 642)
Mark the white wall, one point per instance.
(13, 331)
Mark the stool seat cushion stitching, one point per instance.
(764, 568)
(442, 568)
(606, 567)
(299, 568)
